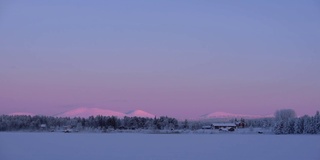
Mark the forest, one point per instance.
(284, 122)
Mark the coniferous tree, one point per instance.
(317, 122)
(185, 124)
(309, 125)
(278, 127)
(299, 126)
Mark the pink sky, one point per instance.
(180, 60)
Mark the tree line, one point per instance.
(284, 122)
(288, 123)
(34, 123)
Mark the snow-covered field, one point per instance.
(118, 146)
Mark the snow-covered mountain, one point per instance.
(225, 115)
(139, 113)
(87, 112)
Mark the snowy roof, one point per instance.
(224, 124)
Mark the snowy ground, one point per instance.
(118, 146)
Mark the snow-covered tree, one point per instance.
(278, 127)
(284, 121)
(298, 126)
(309, 125)
(185, 124)
(285, 114)
(288, 126)
(317, 122)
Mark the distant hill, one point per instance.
(87, 112)
(225, 115)
(21, 114)
(139, 113)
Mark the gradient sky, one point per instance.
(176, 58)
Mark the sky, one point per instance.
(176, 58)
